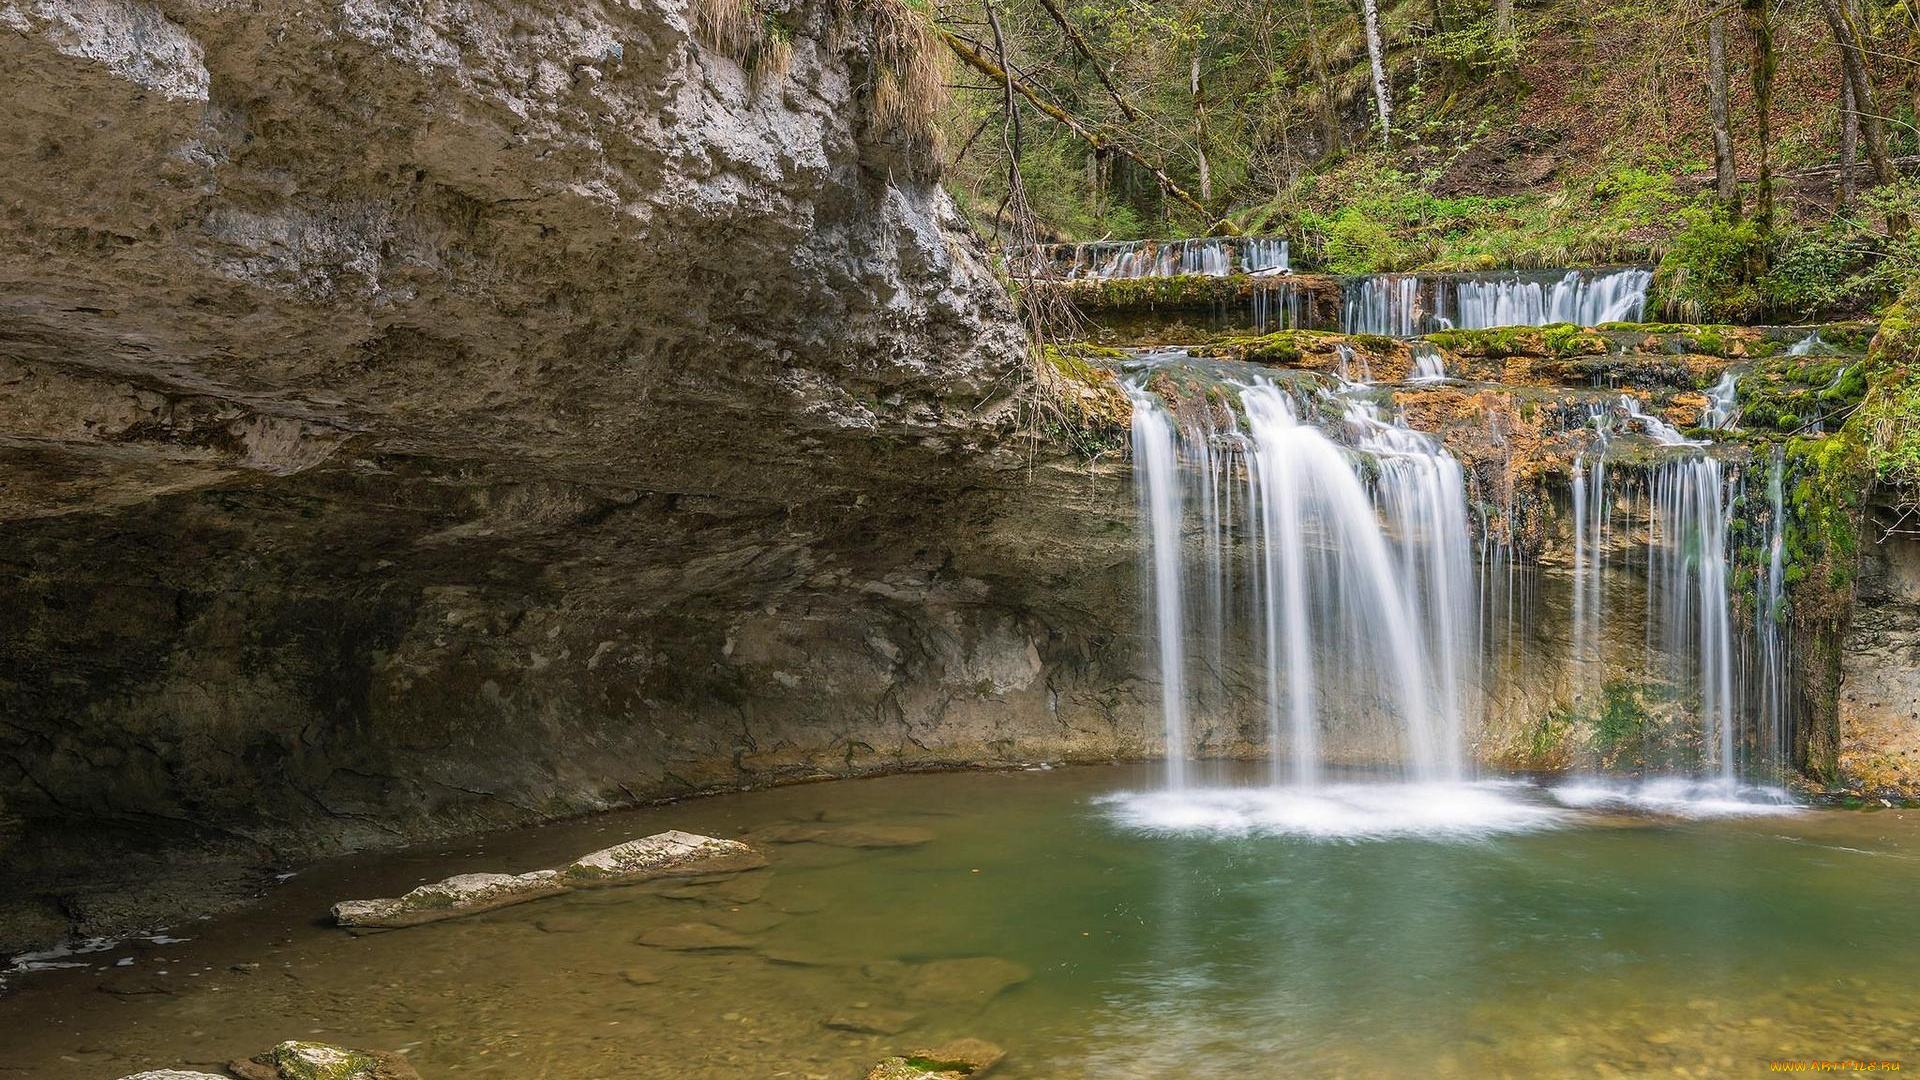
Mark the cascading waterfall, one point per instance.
(1261, 256)
(1122, 259)
(1403, 305)
(1687, 574)
(1157, 463)
(1302, 526)
(1357, 596)
(1770, 615)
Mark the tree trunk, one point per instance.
(1317, 59)
(1873, 127)
(1726, 177)
(1853, 63)
(1503, 18)
(1200, 129)
(1765, 62)
(1849, 145)
(1377, 56)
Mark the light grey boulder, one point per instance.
(174, 1074)
(669, 853)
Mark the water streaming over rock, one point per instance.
(1122, 259)
(1302, 524)
(1403, 305)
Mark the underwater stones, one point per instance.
(299, 1060)
(948, 1061)
(693, 937)
(864, 1019)
(974, 979)
(669, 853)
(847, 836)
(749, 920)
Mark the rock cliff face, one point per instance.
(420, 416)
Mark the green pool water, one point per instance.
(1026, 909)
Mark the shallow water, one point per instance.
(1591, 941)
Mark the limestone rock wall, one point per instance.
(418, 416)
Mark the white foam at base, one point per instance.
(1344, 812)
(1676, 796)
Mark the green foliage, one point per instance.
(1707, 273)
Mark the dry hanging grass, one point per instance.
(732, 28)
(910, 75)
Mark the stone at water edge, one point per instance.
(663, 854)
(960, 1059)
(174, 1074)
(462, 894)
(299, 1060)
(668, 853)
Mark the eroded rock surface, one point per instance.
(668, 853)
(430, 417)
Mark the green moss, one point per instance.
(1081, 403)
(1566, 339)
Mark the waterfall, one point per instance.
(1723, 406)
(1157, 464)
(1260, 256)
(1429, 364)
(1805, 345)
(1117, 259)
(1688, 564)
(1345, 568)
(1278, 305)
(1381, 304)
(1769, 613)
(1580, 298)
(1403, 305)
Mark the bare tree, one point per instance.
(1765, 62)
(1377, 56)
(1200, 128)
(1726, 178)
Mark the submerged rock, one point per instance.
(975, 979)
(659, 855)
(866, 1020)
(299, 1060)
(847, 836)
(948, 1061)
(693, 937)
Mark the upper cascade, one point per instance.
(1206, 257)
(1405, 305)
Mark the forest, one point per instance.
(1754, 151)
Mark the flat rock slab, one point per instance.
(973, 980)
(297, 1060)
(867, 1020)
(693, 937)
(174, 1074)
(660, 855)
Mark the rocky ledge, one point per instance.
(426, 417)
